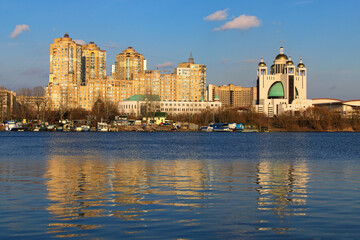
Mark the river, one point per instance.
(179, 185)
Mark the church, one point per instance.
(282, 87)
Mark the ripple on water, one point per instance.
(175, 185)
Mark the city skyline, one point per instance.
(229, 38)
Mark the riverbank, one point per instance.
(170, 129)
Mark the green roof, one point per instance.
(160, 114)
(276, 90)
(143, 98)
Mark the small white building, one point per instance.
(282, 87)
(139, 105)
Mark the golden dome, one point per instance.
(281, 56)
(262, 64)
(301, 65)
(273, 66)
(290, 62)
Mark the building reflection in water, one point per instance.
(282, 189)
(86, 187)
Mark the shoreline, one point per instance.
(199, 131)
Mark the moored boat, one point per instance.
(208, 128)
(102, 127)
(85, 128)
(11, 126)
(222, 127)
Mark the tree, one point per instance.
(78, 114)
(38, 91)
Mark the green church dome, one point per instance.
(276, 90)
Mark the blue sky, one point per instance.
(325, 33)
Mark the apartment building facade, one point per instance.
(78, 77)
(231, 95)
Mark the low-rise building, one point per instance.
(141, 105)
(349, 108)
(32, 103)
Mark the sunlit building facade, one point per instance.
(191, 81)
(78, 77)
(281, 88)
(93, 62)
(128, 63)
(7, 103)
(71, 65)
(139, 105)
(231, 95)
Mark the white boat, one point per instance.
(11, 126)
(50, 128)
(102, 127)
(85, 128)
(208, 128)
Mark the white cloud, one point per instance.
(79, 41)
(251, 61)
(34, 72)
(165, 65)
(19, 29)
(217, 16)
(111, 45)
(224, 61)
(242, 22)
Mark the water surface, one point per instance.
(179, 185)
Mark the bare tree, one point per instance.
(38, 91)
(63, 109)
(27, 92)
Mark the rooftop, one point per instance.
(143, 98)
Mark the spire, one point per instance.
(301, 64)
(281, 48)
(261, 63)
(191, 59)
(289, 56)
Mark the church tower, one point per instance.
(283, 87)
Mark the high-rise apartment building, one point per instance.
(128, 63)
(191, 81)
(231, 95)
(71, 65)
(93, 62)
(65, 61)
(78, 77)
(7, 103)
(155, 82)
(65, 72)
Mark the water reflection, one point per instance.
(282, 189)
(88, 187)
